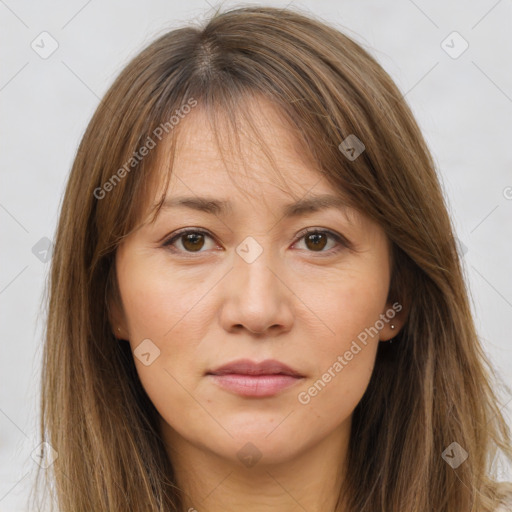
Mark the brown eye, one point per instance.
(191, 241)
(316, 241)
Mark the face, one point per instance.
(201, 289)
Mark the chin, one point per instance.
(269, 442)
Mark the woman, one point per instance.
(295, 335)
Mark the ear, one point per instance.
(117, 321)
(115, 311)
(395, 314)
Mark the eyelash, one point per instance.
(342, 241)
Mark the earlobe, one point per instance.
(116, 321)
(119, 330)
(119, 334)
(115, 312)
(393, 319)
(389, 332)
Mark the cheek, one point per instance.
(346, 303)
(168, 315)
(158, 304)
(344, 353)
(343, 365)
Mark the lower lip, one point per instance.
(255, 385)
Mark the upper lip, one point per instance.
(248, 367)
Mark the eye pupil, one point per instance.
(193, 239)
(315, 238)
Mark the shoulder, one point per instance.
(505, 490)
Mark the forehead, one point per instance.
(254, 153)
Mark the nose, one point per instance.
(257, 298)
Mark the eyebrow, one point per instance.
(222, 207)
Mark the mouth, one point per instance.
(248, 378)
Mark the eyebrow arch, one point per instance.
(222, 207)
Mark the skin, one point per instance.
(297, 304)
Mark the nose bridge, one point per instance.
(256, 297)
(253, 264)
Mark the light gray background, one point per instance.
(463, 105)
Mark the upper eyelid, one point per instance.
(340, 239)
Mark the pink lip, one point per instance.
(247, 378)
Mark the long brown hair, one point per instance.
(430, 388)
